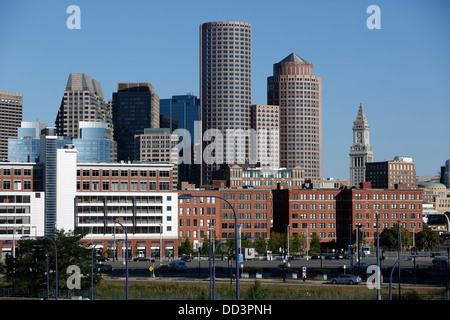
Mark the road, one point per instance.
(223, 267)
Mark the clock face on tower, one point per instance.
(359, 137)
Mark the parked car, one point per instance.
(141, 259)
(360, 265)
(339, 256)
(346, 278)
(105, 268)
(102, 259)
(178, 265)
(316, 256)
(186, 258)
(164, 268)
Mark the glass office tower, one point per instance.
(135, 106)
(181, 111)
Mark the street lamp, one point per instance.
(378, 257)
(126, 244)
(399, 251)
(56, 264)
(214, 262)
(46, 253)
(189, 196)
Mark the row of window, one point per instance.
(17, 172)
(87, 185)
(123, 173)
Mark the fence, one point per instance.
(204, 295)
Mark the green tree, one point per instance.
(28, 268)
(295, 243)
(427, 238)
(185, 247)
(260, 245)
(314, 244)
(389, 237)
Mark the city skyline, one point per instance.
(397, 72)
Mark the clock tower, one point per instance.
(360, 152)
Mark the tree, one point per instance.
(29, 266)
(260, 245)
(314, 245)
(185, 248)
(295, 243)
(427, 238)
(389, 237)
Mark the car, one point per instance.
(178, 265)
(102, 259)
(141, 259)
(346, 278)
(164, 268)
(186, 259)
(339, 256)
(105, 268)
(330, 257)
(316, 256)
(437, 254)
(360, 265)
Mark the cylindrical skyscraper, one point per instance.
(298, 93)
(225, 82)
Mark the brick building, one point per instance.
(330, 213)
(253, 207)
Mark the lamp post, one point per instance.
(378, 258)
(92, 269)
(399, 249)
(126, 245)
(188, 196)
(56, 265)
(46, 253)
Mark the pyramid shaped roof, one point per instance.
(293, 58)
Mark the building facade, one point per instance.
(333, 214)
(361, 151)
(398, 173)
(11, 109)
(82, 101)
(208, 213)
(135, 106)
(265, 120)
(225, 85)
(182, 112)
(298, 92)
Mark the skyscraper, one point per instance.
(225, 83)
(135, 106)
(298, 93)
(181, 111)
(83, 101)
(361, 151)
(11, 104)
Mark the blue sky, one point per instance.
(400, 73)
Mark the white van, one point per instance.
(178, 265)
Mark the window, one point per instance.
(114, 185)
(164, 185)
(164, 174)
